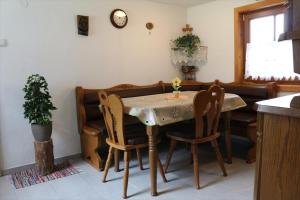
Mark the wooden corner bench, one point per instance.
(92, 130)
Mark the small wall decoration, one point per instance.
(149, 26)
(119, 18)
(83, 25)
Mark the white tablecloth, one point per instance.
(163, 109)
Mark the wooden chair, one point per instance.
(118, 139)
(207, 108)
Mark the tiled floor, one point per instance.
(238, 185)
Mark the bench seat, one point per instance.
(243, 118)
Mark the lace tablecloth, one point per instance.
(163, 109)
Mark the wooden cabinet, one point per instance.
(278, 151)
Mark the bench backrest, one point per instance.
(251, 93)
(188, 85)
(87, 103)
(128, 90)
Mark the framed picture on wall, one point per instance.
(83, 25)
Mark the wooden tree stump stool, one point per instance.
(44, 157)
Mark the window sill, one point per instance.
(283, 86)
(288, 88)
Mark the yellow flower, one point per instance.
(176, 83)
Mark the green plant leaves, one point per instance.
(38, 103)
(189, 42)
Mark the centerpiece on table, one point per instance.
(176, 84)
(187, 52)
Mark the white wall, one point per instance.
(42, 39)
(214, 23)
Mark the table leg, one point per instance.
(226, 118)
(152, 133)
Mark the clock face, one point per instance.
(119, 18)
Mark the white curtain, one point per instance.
(267, 60)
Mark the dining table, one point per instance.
(163, 109)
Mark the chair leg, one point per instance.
(196, 165)
(117, 160)
(161, 170)
(108, 162)
(139, 157)
(170, 153)
(215, 145)
(126, 173)
(191, 158)
(228, 139)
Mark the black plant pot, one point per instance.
(41, 133)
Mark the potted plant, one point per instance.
(189, 43)
(38, 107)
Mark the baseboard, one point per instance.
(24, 167)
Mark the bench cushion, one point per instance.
(259, 92)
(169, 88)
(100, 124)
(133, 92)
(137, 140)
(97, 124)
(91, 98)
(90, 103)
(243, 117)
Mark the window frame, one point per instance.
(247, 17)
(242, 16)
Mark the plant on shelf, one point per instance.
(189, 43)
(38, 107)
(187, 52)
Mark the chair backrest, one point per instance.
(207, 108)
(113, 112)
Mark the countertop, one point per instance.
(279, 106)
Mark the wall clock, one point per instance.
(119, 18)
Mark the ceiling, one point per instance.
(184, 3)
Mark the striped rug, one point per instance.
(31, 176)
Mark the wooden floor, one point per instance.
(238, 185)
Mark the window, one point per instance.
(259, 57)
(266, 58)
(266, 29)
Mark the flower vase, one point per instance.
(176, 94)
